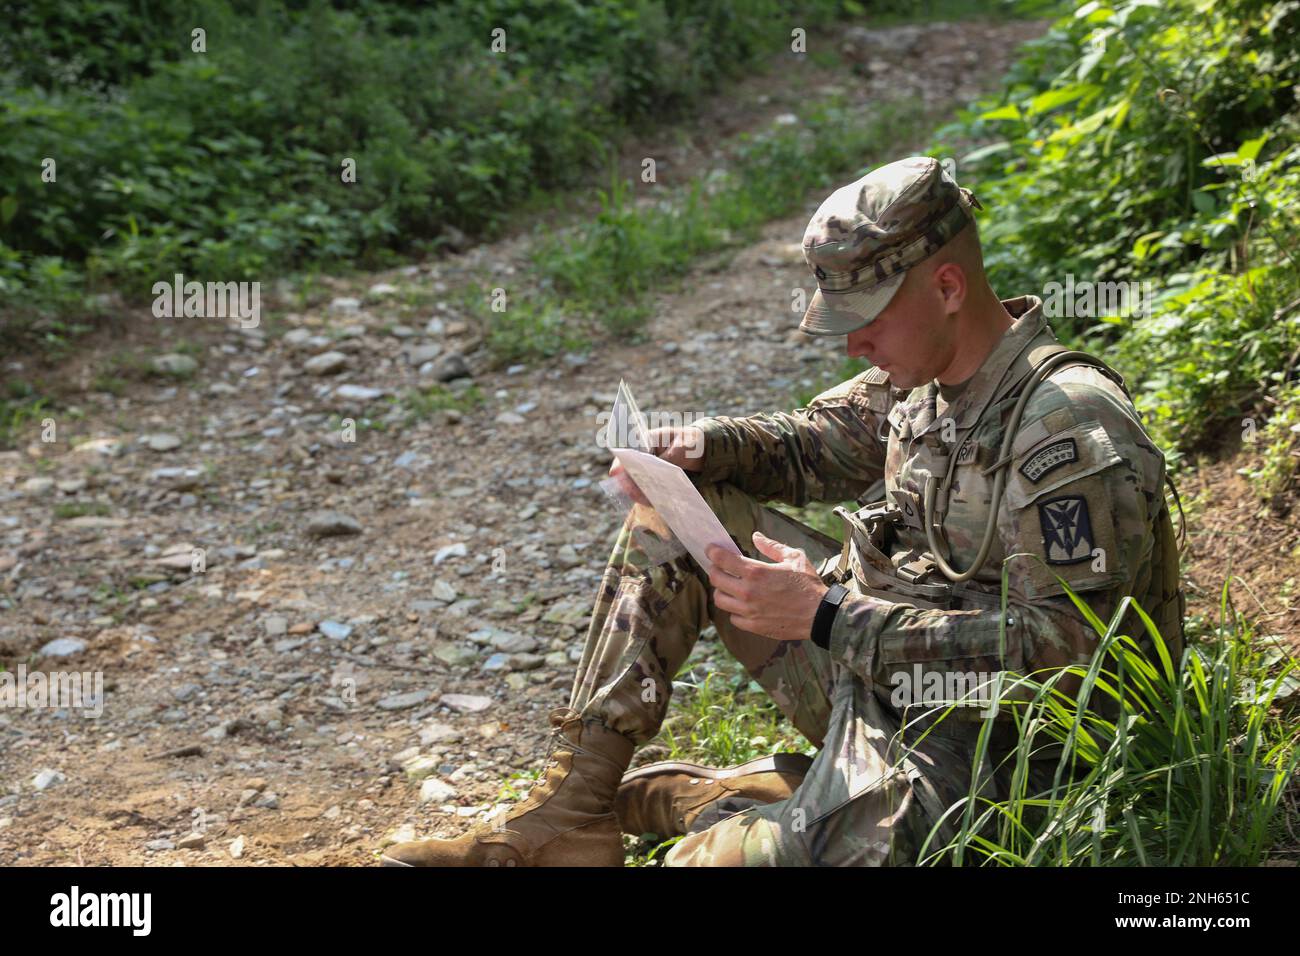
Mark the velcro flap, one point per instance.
(1057, 459)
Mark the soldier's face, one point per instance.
(911, 339)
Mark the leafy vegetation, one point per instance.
(1156, 142)
(223, 154)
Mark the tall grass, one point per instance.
(1191, 769)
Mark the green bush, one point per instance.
(227, 163)
(1156, 142)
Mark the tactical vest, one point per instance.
(930, 581)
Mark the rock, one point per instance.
(162, 442)
(381, 290)
(268, 801)
(334, 630)
(47, 778)
(403, 834)
(450, 366)
(177, 479)
(421, 767)
(179, 562)
(237, 847)
(403, 701)
(296, 338)
(509, 418)
(420, 354)
(62, 647)
(517, 682)
(457, 550)
(328, 524)
(192, 841)
(442, 591)
(434, 790)
(173, 364)
(359, 393)
(275, 625)
(344, 305)
(155, 846)
(110, 447)
(327, 363)
(508, 642)
(453, 655)
(497, 662)
(526, 662)
(35, 487)
(466, 703)
(436, 732)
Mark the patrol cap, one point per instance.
(866, 235)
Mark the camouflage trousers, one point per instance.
(872, 794)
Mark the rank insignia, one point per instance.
(1067, 529)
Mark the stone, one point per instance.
(237, 848)
(454, 655)
(420, 354)
(162, 442)
(359, 393)
(508, 642)
(327, 363)
(436, 732)
(457, 550)
(403, 834)
(403, 701)
(173, 364)
(328, 524)
(334, 630)
(450, 366)
(275, 625)
(420, 767)
(466, 703)
(192, 841)
(344, 305)
(433, 790)
(35, 487)
(48, 778)
(62, 647)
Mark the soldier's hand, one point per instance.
(684, 447)
(774, 600)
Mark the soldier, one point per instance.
(987, 443)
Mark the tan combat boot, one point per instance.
(567, 818)
(666, 798)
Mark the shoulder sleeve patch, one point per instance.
(1050, 456)
(1057, 459)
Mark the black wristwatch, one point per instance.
(825, 617)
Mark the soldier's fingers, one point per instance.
(733, 564)
(729, 603)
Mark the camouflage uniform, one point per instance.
(1084, 500)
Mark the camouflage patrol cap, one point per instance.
(869, 233)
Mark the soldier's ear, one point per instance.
(950, 285)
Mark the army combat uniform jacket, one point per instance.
(1084, 506)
